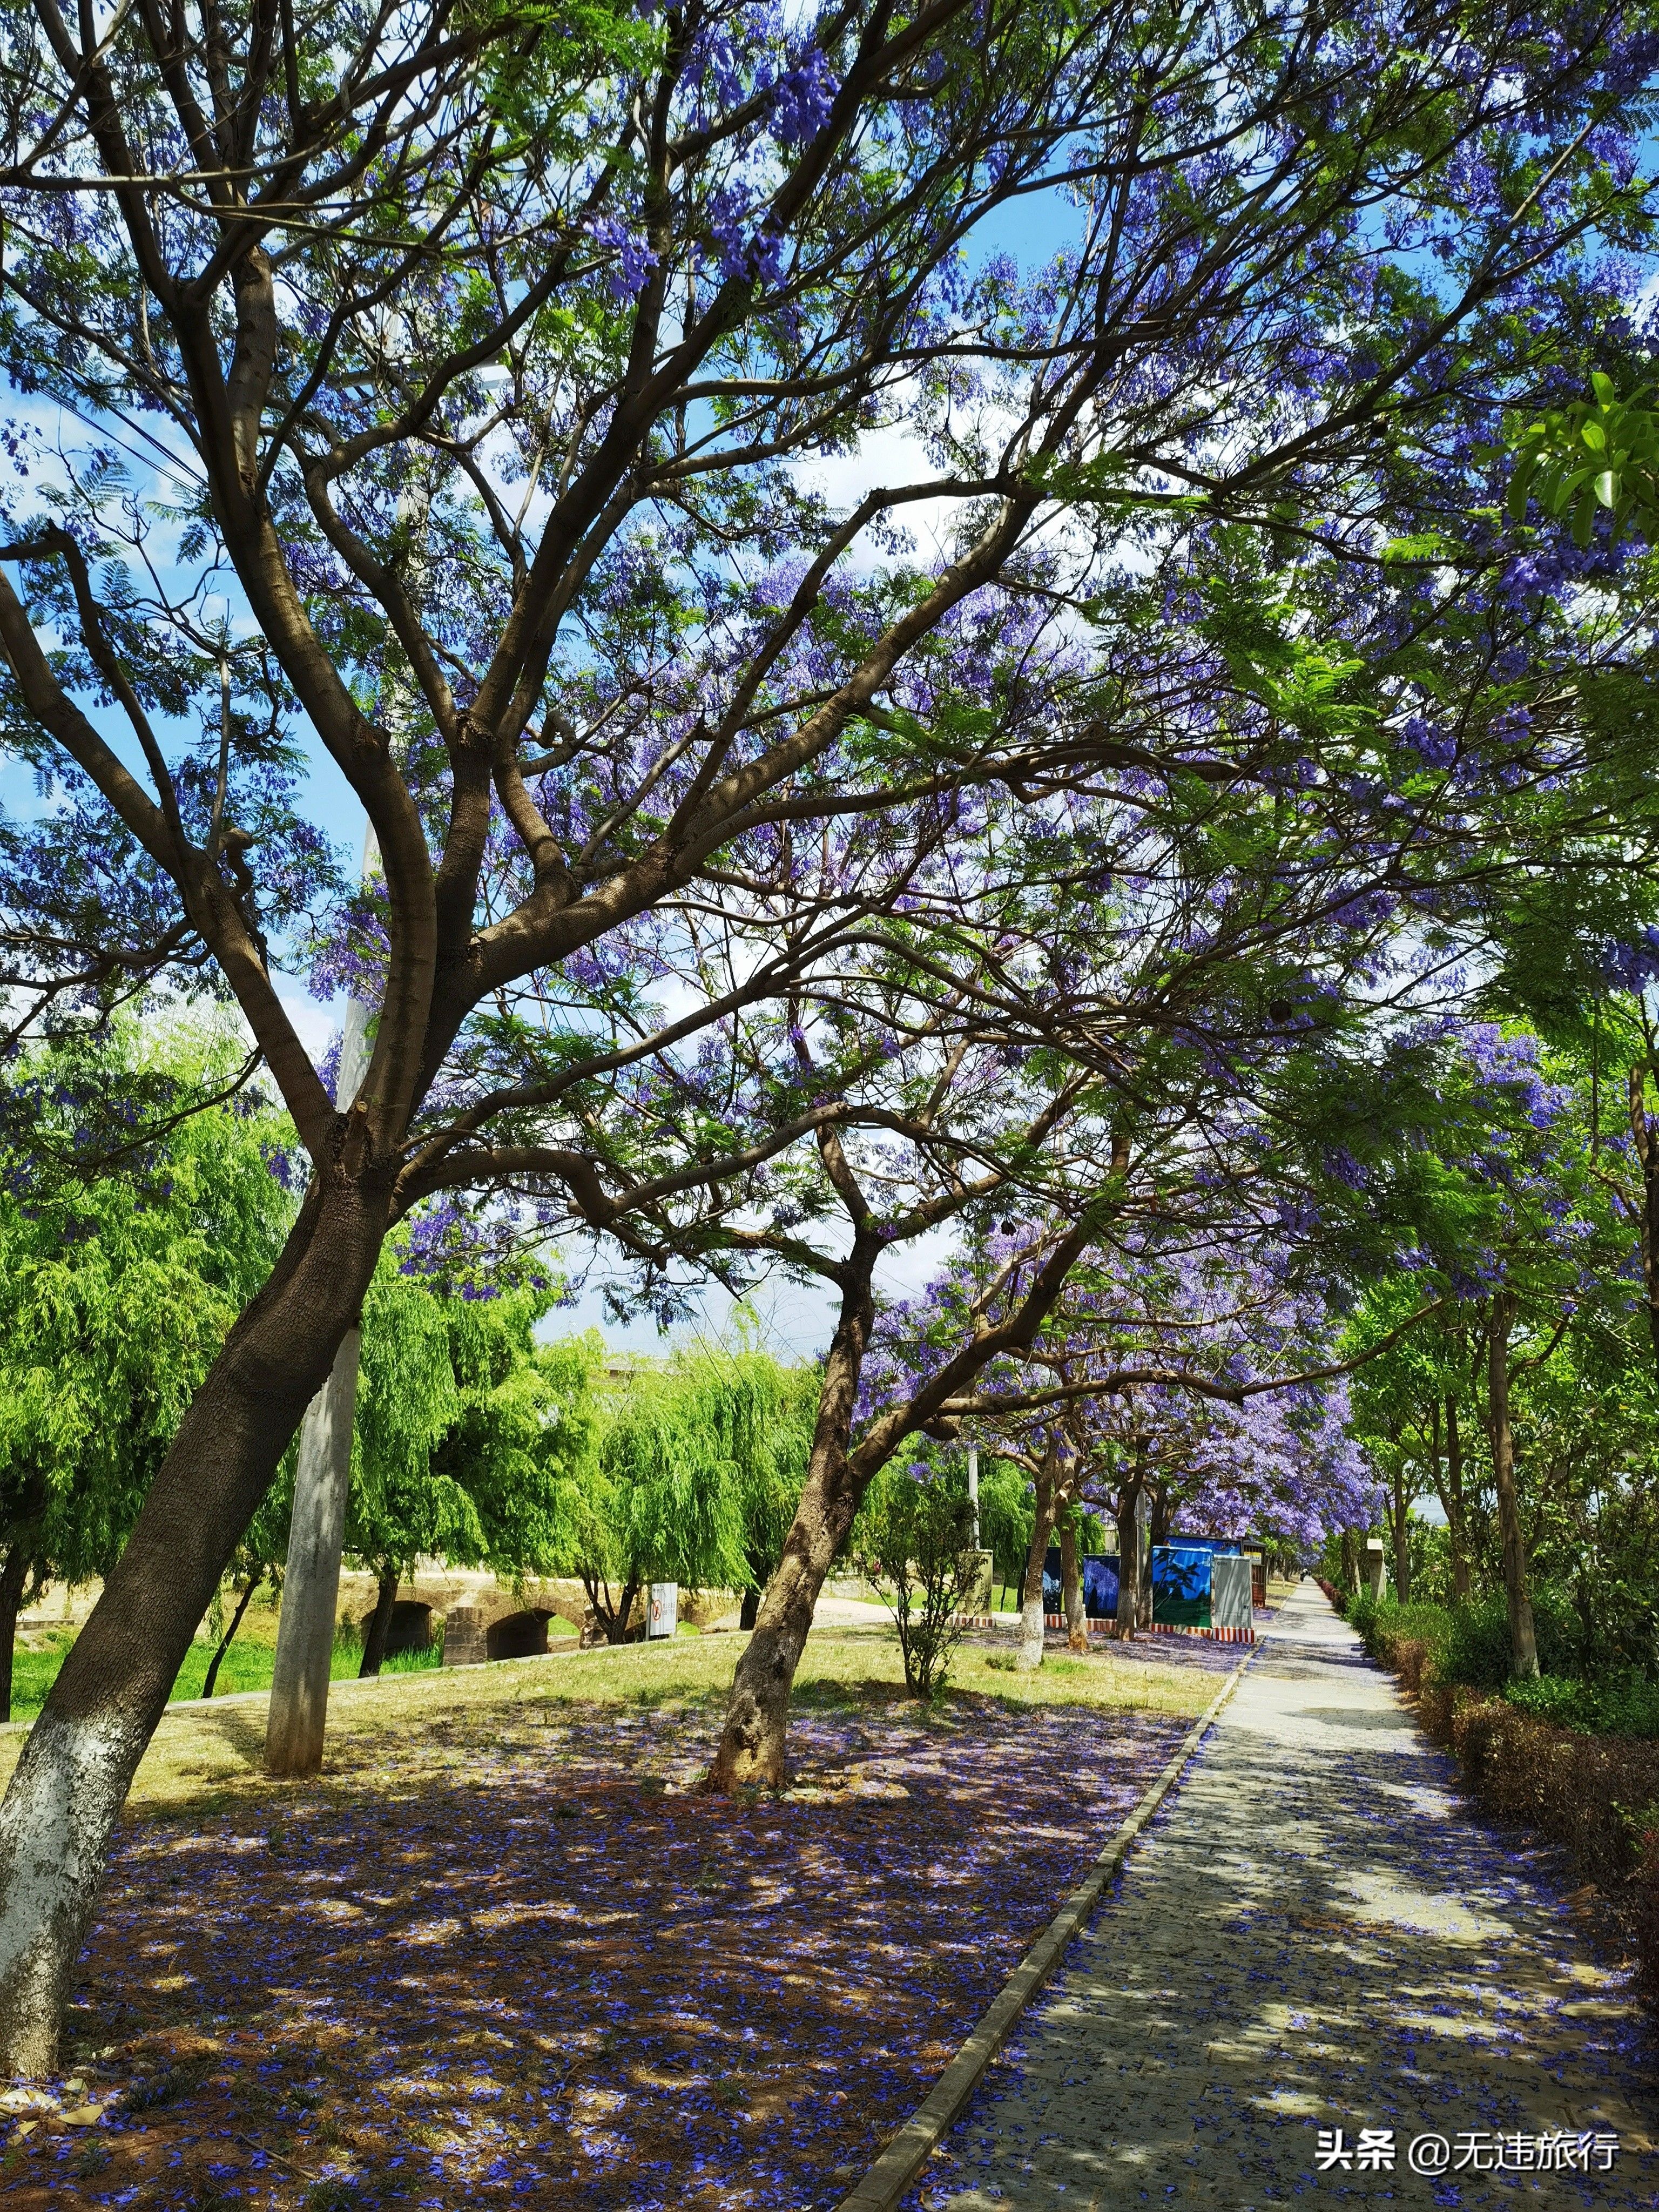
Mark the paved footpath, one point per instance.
(1312, 1935)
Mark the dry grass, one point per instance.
(212, 1757)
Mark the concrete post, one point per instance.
(973, 1493)
(1375, 1568)
(311, 1583)
(322, 1479)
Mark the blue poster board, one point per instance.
(1100, 1586)
(1099, 1572)
(1181, 1584)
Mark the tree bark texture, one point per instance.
(1457, 1511)
(1031, 1604)
(1076, 1618)
(1350, 1562)
(750, 1754)
(1402, 1541)
(1645, 1133)
(66, 1794)
(1128, 1556)
(1523, 1643)
(297, 1720)
(622, 1617)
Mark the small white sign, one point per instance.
(663, 1618)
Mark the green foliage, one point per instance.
(117, 1289)
(694, 1478)
(1006, 1512)
(1599, 456)
(462, 1431)
(1627, 1705)
(1468, 1645)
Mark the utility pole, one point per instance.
(298, 1715)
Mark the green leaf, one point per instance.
(1521, 484)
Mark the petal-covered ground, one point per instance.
(518, 1965)
(1315, 1936)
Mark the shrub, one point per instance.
(1581, 1791)
(1626, 1704)
(1644, 1908)
(1571, 1760)
(911, 1545)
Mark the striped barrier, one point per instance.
(977, 1620)
(1160, 1628)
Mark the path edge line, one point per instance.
(886, 2181)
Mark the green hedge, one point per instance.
(1468, 1646)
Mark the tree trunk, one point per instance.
(751, 1746)
(1645, 1133)
(1402, 1545)
(617, 1627)
(380, 1625)
(750, 1754)
(1456, 1518)
(612, 1615)
(66, 1793)
(296, 1720)
(1129, 1554)
(1524, 1643)
(1076, 1618)
(1031, 1600)
(749, 1611)
(1350, 1562)
(211, 1679)
(13, 1576)
(1157, 1534)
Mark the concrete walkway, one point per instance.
(1313, 1936)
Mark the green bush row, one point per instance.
(1467, 1644)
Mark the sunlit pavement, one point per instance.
(1315, 1936)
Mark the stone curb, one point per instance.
(898, 2166)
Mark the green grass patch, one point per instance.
(245, 1667)
(397, 1736)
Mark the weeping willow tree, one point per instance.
(144, 1194)
(461, 1434)
(694, 1480)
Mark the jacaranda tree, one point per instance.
(577, 320)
